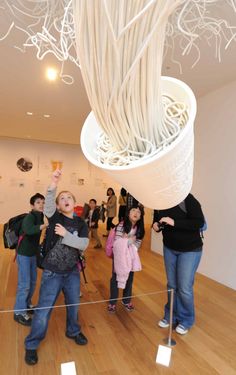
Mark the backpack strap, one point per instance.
(110, 242)
(81, 258)
(18, 244)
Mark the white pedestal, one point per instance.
(68, 368)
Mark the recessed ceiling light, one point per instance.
(29, 113)
(51, 74)
(46, 116)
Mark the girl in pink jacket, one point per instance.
(128, 238)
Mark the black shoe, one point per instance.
(31, 357)
(25, 320)
(80, 339)
(30, 309)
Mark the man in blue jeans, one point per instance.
(66, 236)
(182, 241)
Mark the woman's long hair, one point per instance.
(123, 192)
(112, 190)
(127, 225)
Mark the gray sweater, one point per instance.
(63, 252)
(69, 239)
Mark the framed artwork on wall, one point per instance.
(24, 164)
(56, 164)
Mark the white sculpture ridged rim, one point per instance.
(146, 160)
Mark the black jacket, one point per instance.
(95, 218)
(31, 232)
(60, 257)
(185, 235)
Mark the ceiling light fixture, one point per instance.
(46, 116)
(29, 113)
(51, 74)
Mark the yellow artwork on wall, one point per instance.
(56, 164)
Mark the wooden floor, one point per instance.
(125, 343)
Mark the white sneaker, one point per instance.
(163, 323)
(181, 330)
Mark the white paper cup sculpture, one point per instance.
(161, 181)
(141, 129)
(141, 133)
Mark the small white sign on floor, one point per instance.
(68, 368)
(163, 355)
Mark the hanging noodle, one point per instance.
(119, 46)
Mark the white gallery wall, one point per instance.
(16, 186)
(215, 183)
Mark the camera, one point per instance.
(161, 226)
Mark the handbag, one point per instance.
(81, 265)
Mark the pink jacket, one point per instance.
(126, 259)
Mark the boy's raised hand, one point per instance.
(55, 178)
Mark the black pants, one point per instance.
(110, 224)
(121, 214)
(114, 291)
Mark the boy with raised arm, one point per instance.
(66, 236)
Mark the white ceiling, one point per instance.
(23, 88)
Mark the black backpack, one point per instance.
(45, 246)
(11, 231)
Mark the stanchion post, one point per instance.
(169, 341)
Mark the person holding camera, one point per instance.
(180, 227)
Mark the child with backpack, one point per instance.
(26, 250)
(66, 237)
(126, 239)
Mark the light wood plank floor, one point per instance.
(125, 343)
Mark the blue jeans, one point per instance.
(180, 270)
(51, 285)
(27, 277)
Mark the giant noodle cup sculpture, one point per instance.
(165, 179)
(141, 129)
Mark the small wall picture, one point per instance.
(24, 164)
